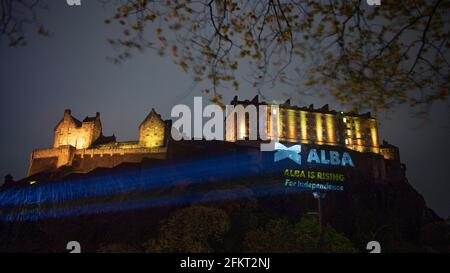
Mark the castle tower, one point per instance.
(389, 151)
(70, 131)
(152, 131)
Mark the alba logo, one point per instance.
(293, 153)
(73, 2)
(315, 156)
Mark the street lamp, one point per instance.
(319, 196)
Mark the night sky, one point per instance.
(70, 70)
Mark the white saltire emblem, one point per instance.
(282, 152)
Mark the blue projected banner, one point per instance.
(298, 167)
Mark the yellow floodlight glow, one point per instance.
(374, 134)
(319, 128)
(303, 127)
(291, 125)
(330, 129)
(358, 132)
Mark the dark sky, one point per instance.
(70, 70)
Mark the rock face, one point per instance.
(126, 204)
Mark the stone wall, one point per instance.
(81, 135)
(152, 131)
(85, 160)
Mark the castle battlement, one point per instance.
(309, 125)
(82, 146)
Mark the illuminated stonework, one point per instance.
(80, 135)
(82, 146)
(152, 131)
(316, 126)
(390, 151)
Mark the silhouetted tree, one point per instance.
(281, 236)
(16, 16)
(192, 229)
(366, 57)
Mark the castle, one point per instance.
(81, 145)
(307, 125)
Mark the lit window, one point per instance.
(346, 141)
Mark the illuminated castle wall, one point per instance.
(82, 146)
(312, 126)
(80, 135)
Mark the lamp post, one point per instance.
(319, 196)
